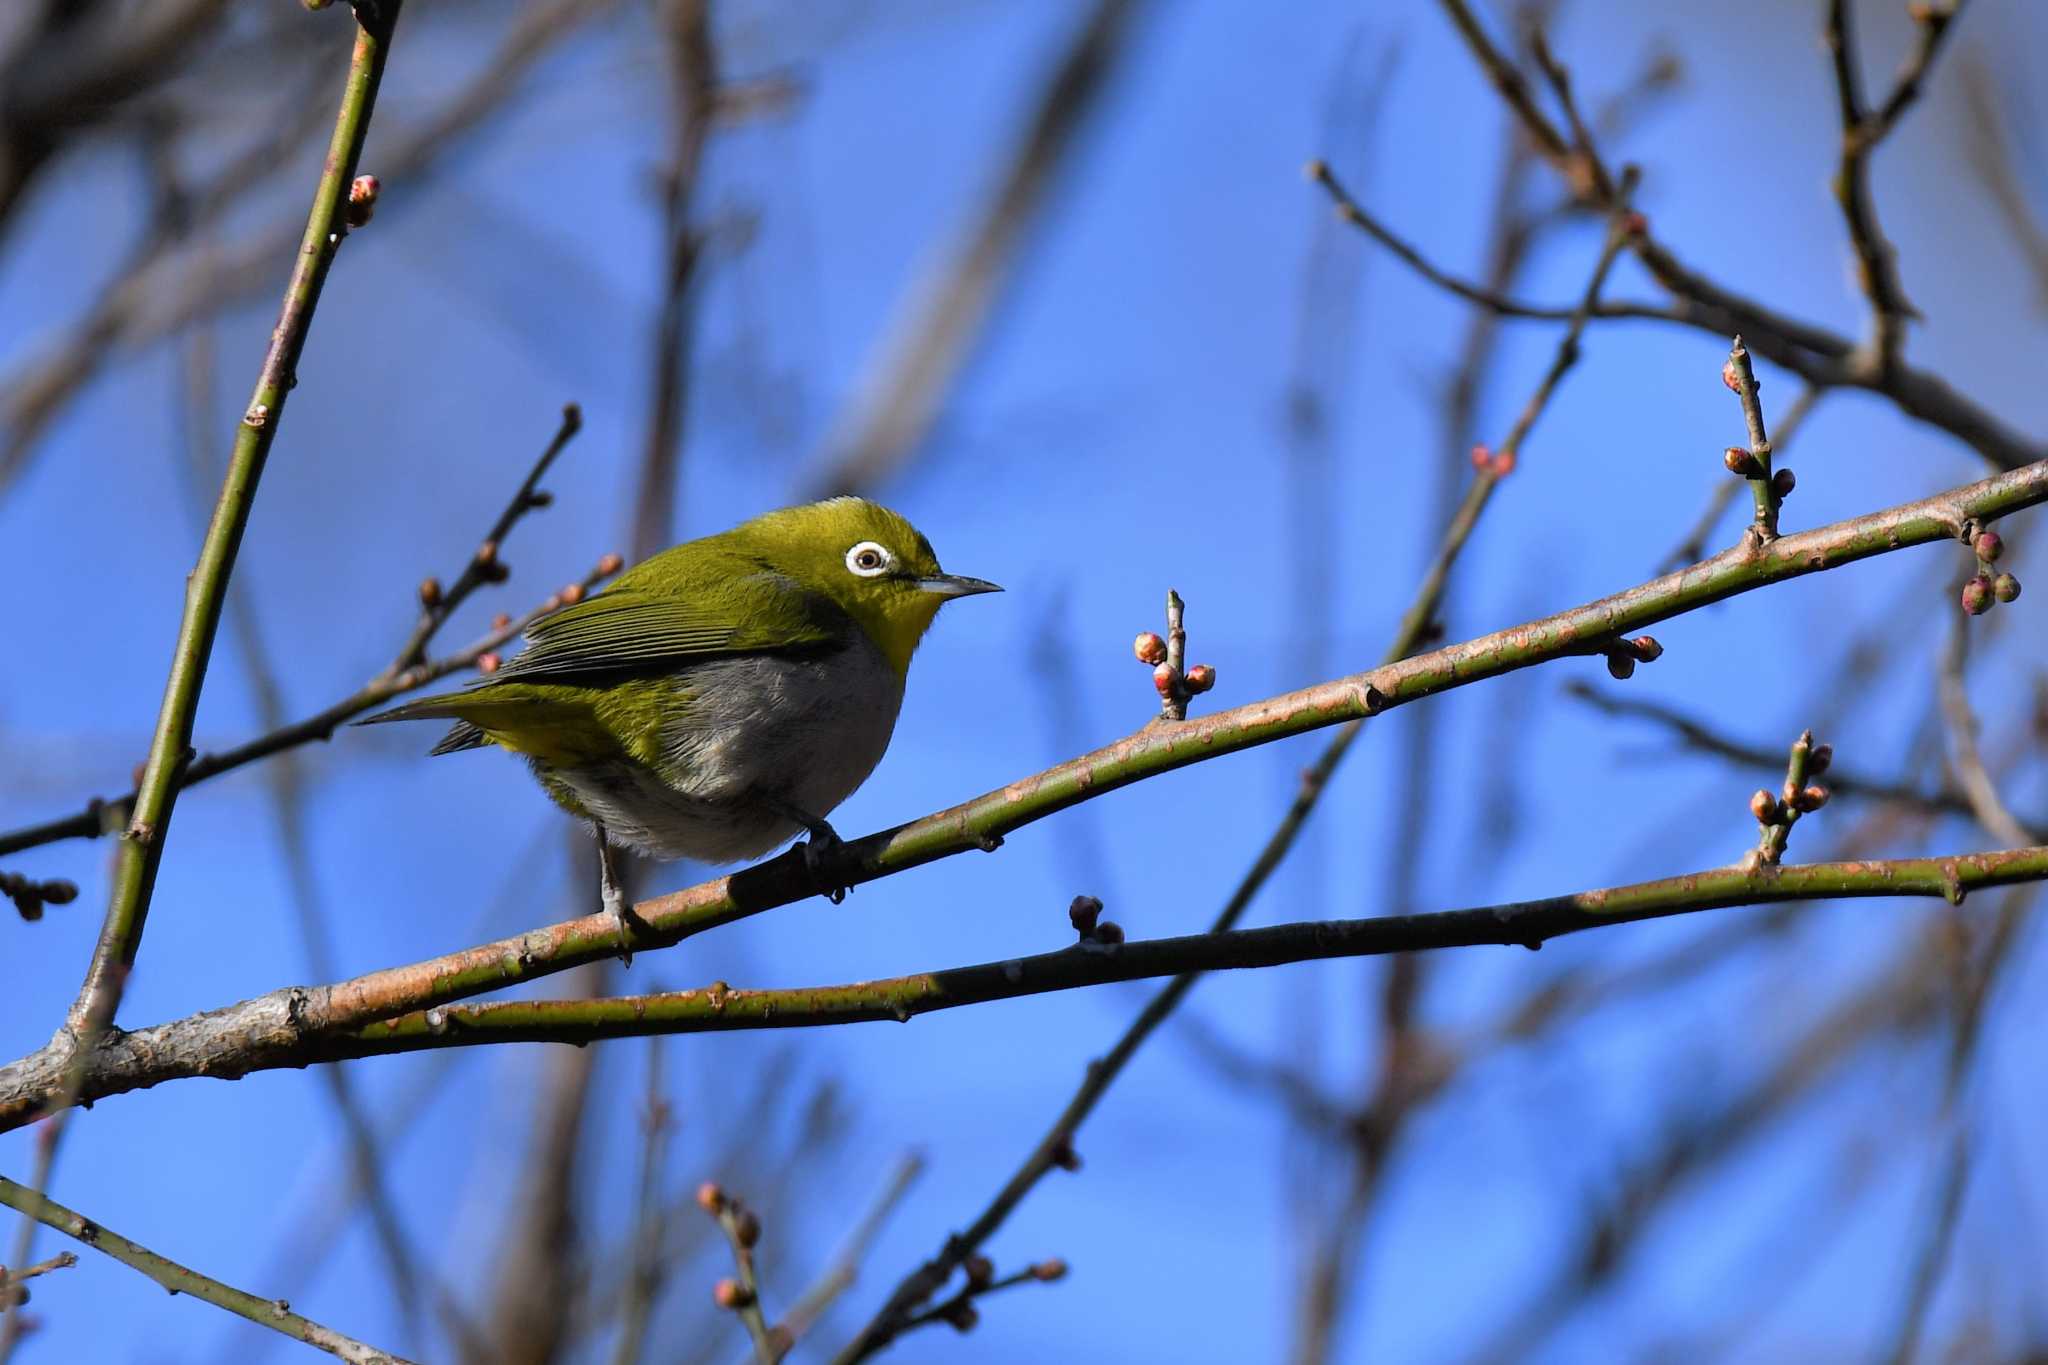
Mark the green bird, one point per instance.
(722, 695)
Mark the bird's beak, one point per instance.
(953, 585)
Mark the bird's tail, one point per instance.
(519, 717)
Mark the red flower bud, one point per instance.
(2005, 587)
(1764, 807)
(1977, 595)
(710, 1197)
(1990, 546)
(1149, 648)
(1782, 484)
(1201, 678)
(1164, 677)
(1083, 914)
(730, 1294)
(362, 200)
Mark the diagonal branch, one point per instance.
(141, 850)
(275, 1314)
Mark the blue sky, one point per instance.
(1118, 431)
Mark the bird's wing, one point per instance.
(629, 628)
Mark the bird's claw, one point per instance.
(823, 855)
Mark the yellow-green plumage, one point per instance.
(726, 692)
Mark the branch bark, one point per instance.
(293, 1017)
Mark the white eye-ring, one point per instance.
(868, 559)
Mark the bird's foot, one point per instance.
(622, 916)
(612, 892)
(824, 860)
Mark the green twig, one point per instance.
(170, 750)
(267, 1040)
(275, 1314)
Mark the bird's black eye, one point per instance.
(867, 559)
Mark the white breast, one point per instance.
(803, 732)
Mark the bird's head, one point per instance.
(870, 562)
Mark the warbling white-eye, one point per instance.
(723, 694)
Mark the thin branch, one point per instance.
(928, 346)
(1415, 625)
(1817, 355)
(275, 1314)
(643, 1280)
(1993, 155)
(288, 807)
(487, 564)
(1877, 260)
(1699, 736)
(100, 812)
(816, 1301)
(159, 293)
(1695, 543)
(258, 1036)
(742, 1295)
(694, 98)
(170, 750)
(1985, 804)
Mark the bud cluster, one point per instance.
(1990, 585)
(1085, 914)
(1173, 683)
(1776, 812)
(1624, 655)
(30, 896)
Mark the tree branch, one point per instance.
(141, 850)
(328, 1011)
(275, 1314)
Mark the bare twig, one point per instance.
(693, 63)
(742, 1295)
(1876, 259)
(1818, 356)
(1993, 156)
(99, 812)
(287, 784)
(643, 1280)
(159, 292)
(812, 1305)
(1694, 546)
(928, 346)
(1979, 790)
(272, 1313)
(487, 564)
